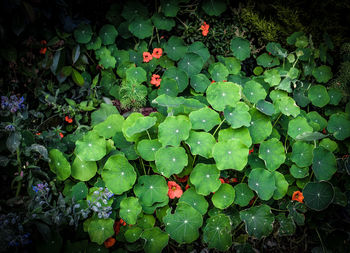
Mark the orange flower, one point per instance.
(205, 29)
(61, 134)
(298, 196)
(38, 134)
(181, 179)
(109, 242)
(187, 186)
(222, 180)
(175, 190)
(157, 53)
(155, 80)
(147, 56)
(69, 120)
(122, 222)
(213, 81)
(43, 50)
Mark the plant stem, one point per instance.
(243, 178)
(194, 159)
(218, 127)
(279, 116)
(319, 237)
(278, 210)
(143, 166)
(19, 172)
(149, 136)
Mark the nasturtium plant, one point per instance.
(59, 164)
(173, 130)
(260, 126)
(83, 170)
(240, 48)
(204, 118)
(130, 208)
(201, 143)
(151, 189)
(217, 232)
(224, 196)
(205, 178)
(195, 200)
(171, 160)
(318, 195)
(272, 152)
(254, 91)
(91, 147)
(262, 182)
(238, 116)
(100, 229)
(155, 239)
(222, 94)
(243, 194)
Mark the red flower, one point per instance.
(109, 242)
(155, 80)
(43, 42)
(69, 120)
(157, 53)
(175, 190)
(43, 50)
(252, 201)
(122, 222)
(234, 180)
(221, 180)
(205, 29)
(251, 151)
(147, 56)
(38, 134)
(213, 81)
(298, 196)
(61, 134)
(324, 131)
(187, 186)
(182, 179)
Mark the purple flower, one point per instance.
(13, 104)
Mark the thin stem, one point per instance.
(143, 166)
(254, 202)
(19, 172)
(194, 159)
(150, 41)
(285, 144)
(186, 27)
(319, 237)
(279, 116)
(218, 127)
(278, 210)
(238, 228)
(243, 178)
(149, 136)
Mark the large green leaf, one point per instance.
(339, 125)
(173, 130)
(240, 48)
(198, 202)
(175, 48)
(110, 126)
(298, 126)
(179, 76)
(191, 63)
(155, 240)
(118, 174)
(204, 118)
(217, 232)
(281, 185)
(224, 196)
(205, 178)
(238, 116)
(148, 149)
(218, 72)
(130, 208)
(272, 152)
(200, 82)
(302, 153)
(199, 48)
(222, 94)
(254, 91)
(288, 106)
(171, 160)
(141, 27)
(260, 126)
(59, 164)
(263, 182)
(322, 74)
(100, 229)
(82, 170)
(201, 143)
(272, 77)
(108, 33)
(91, 147)
(243, 194)
(162, 22)
(83, 34)
(318, 195)
(214, 8)
(101, 114)
(318, 95)
(140, 125)
(324, 163)
(239, 133)
(267, 61)
(151, 189)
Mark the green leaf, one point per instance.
(339, 125)
(298, 126)
(318, 195)
(91, 147)
(217, 232)
(322, 74)
(201, 143)
(83, 34)
(258, 221)
(239, 133)
(94, 44)
(224, 196)
(265, 107)
(130, 208)
(218, 72)
(267, 61)
(110, 126)
(141, 28)
(155, 240)
(262, 182)
(171, 160)
(222, 94)
(324, 163)
(243, 194)
(329, 144)
(335, 96)
(100, 230)
(204, 118)
(140, 125)
(192, 198)
(200, 82)
(146, 221)
(238, 116)
(272, 152)
(133, 234)
(168, 87)
(298, 172)
(231, 154)
(170, 7)
(77, 78)
(276, 50)
(287, 226)
(316, 121)
(162, 23)
(118, 174)
(101, 114)
(183, 225)
(175, 48)
(191, 63)
(173, 130)
(148, 149)
(79, 191)
(151, 189)
(272, 77)
(232, 64)
(288, 106)
(59, 164)
(199, 48)
(179, 76)
(318, 95)
(214, 8)
(308, 136)
(302, 154)
(260, 126)
(136, 75)
(205, 178)
(254, 91)
(129, 122)
(82, 170)
(108, 33)
(240, 48)
(281, 185)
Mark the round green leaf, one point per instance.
(240, 48)
(224, 196)
(287, 225)
(267, 61)
(141, 27)
(322, 74)
(175, 48)
(318, 95)
(298, 172)
(136, 75)
(265, 107)
(94, 44)
(130, 208)
(339, 125)
(201, 143)
(134, 9)
(335, 96)
(243, 194)
(79, 191)
(260, 126)
(239, 133)
(82, 170)
(110, 126)
(132, 234)
(221, 94)
(218, 72)
(178, 75)
(129, 122)
(192, 198)
(100, 230)
(254, 91)
(118, 174)
(272, 77)
(146, 221)
(101, 114)
(281, 186)
(183, 225)
(140, 125)
(148, 149)
(91, 147)
(162, 23)
(83, 34)
(200, 82)
(318, 195)
(272, 152)
(276, 49)
(155, 240)
(231, 154)
(59, 164)
(258, 220)
(302, 154)
(238, 116)
(316, 121)
(329, 144)
(173, 130)
(324, 163)
(298, 126)
(199, 48)
(214, 8)
(204, 118)
(217, 232)
(205, 178)
(171, 160)
(191, 63)
(170, 7)
(108, 33)
(232, 64)
(262, 182)
(151, 189)
(288, 107)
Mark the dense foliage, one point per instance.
(149, 132)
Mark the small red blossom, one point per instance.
(68, 119)
(233, 180)
(298, 196)
(157, 53)
(155, 80)
(61, 134)
(38, 134)
(205, 29)
(224, 81)
(122, 222)
(109, 242)
(324, 131)
(251, 151)
(43, 42)
(187, 186)
(182, 179)
(43, 50)
(222, 180)
(252, 201)
(116, 227)
(147, 56)
(269, 53)
(212, 81)
(175, 190)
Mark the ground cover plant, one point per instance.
(141, 139)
